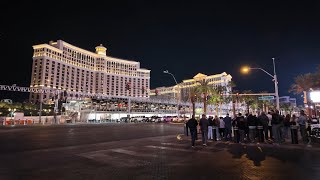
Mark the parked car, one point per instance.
(138, 119)
(155, 119)
(125, 119)
(315, 130)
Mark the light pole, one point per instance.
(178, 99)
(11, 114)
(274, 78)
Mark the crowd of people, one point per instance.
(274, 127)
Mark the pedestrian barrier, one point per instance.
(294, 134)
(260, 134)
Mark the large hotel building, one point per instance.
(60, 65)
(182, 90)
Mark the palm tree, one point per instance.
(303, 83)
(193, 98)
(231, 85)
(220, 90)
(204, 89)
(248, 99)
(254, 104)
(215, 99)
(286, 108)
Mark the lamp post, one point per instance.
(274, 78)
(178, 99)
(11, 114)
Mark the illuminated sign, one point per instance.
(315, 96)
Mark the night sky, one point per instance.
(183, 37)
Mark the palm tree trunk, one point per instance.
(205, 104)
(220, 108)
(193, 108)
(216, 105)
(234, 109)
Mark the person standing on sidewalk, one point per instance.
(276, 127)
(269, 115)
(204, 129)
(210, 120)
(264, 120)
(302, 120)
(221, 128)
(192, 125)
(216, 124)
(286, 124)
(227, 124)
(241, 124)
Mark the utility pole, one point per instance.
(41, 99)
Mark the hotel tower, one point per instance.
(60, 65)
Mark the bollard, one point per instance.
(260, 134)
(294, 134)
(236, 137)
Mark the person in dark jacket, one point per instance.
(276, 126)
(192, 125)
(204, 129)
(263, 120)
(241, 124)
(286, 126)
(227, 123)
(252, 123)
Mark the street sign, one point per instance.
(262, 98)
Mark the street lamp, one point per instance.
(11, 114)
(178, 99)
(247, 69)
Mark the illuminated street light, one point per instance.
(11, 113)
(178, 99)
(246, 70)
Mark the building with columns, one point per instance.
(60, 65)
(182, 90)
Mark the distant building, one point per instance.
(182, 90)
(9, 101)
(60, 65)
(288, 100)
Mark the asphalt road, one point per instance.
(143, 151)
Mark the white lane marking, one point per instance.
(173, 149)
(131, 153)
(118, 161)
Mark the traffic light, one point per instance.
(128, 86)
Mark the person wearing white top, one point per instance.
(221, 127)
(269, 124)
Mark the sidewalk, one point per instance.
(286, 145)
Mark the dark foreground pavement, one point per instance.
(143, 151)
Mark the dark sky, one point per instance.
(183, 37)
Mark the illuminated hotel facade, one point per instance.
(182, 90)
(60, 65)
